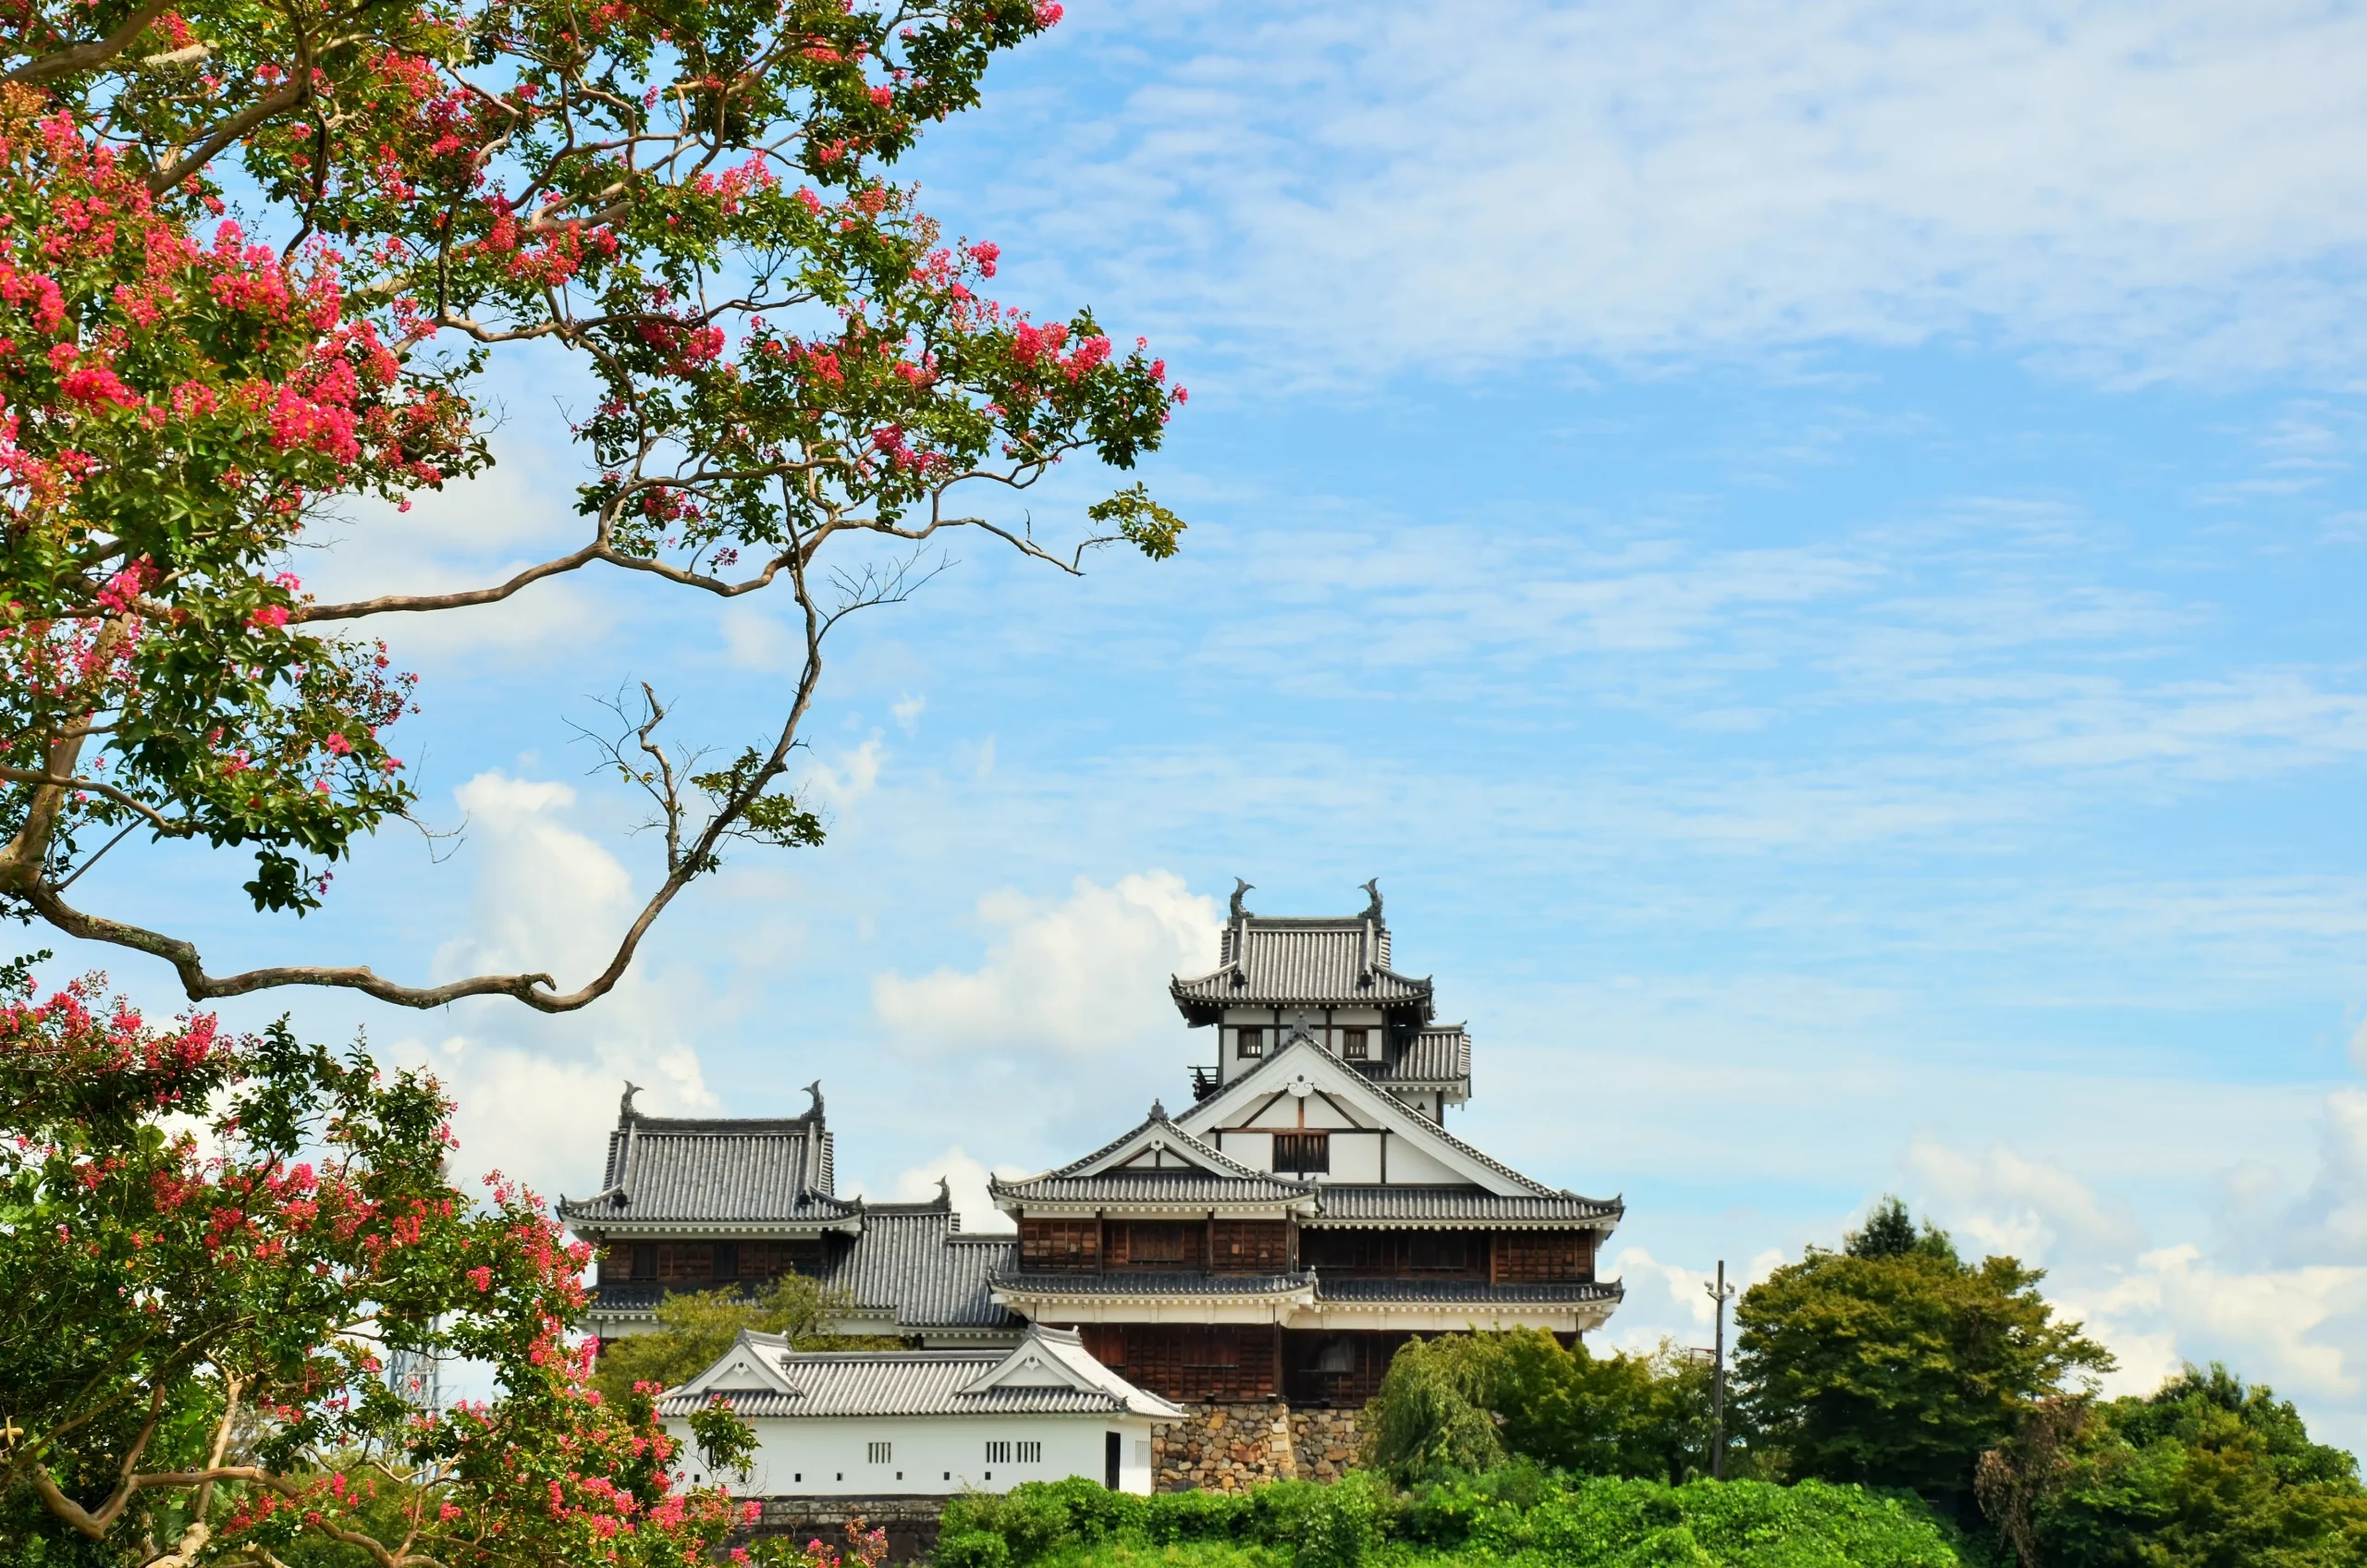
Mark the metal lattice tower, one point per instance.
(414, 1377)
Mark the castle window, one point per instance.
(1353, 1045)
(1157, 1242)
(1442, 1251)
(727, 1260)
(1253, 1043)
(645, 1260)
(1031, 1453)
(1303, 1152)
(879, 1453)
(1212, 1347)
(686, 1262)
(998, 1453)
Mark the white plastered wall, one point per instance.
(929, 1456)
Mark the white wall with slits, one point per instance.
(930, 1455)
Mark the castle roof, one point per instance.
(1346, 1206)
(1266, 961)
(912, 1260)
(1155, 1162)
(1047, 1374)
(771, 1173)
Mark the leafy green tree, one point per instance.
(1461, 1403)
(1434, 1414)
(1895, 1363)
(2207, 1473)
(696, 1327)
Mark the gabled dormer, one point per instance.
(1305, 1114)
(1056, 1359)
(750, 1368)
(1155, 1169)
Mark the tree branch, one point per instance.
(290, 93)
(394, 604)
(536, 990)
(67, 781)
(81, 57)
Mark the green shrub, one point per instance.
(1169, 1517)
(965, 1511)
(1516, 1510)
(1491, 1508)
(971, 1548)
(1341, 1524)
(1611, 1524)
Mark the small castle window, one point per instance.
(1253, 1043)
(998, 1453)
(1303, 1152)
(1353, 1045)
(1031, 1453)
(882, 1453)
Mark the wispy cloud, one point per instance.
(2133, 189)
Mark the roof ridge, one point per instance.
(718, 1123)
(1226, 1164)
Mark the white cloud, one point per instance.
(2008, 1204)
(967, 1178)
(1088, 972)
(536, 1094)
(753, 639)
(2178, 188)
(542, 1116)
(472, 533)
(2295, 1323)
(848, 776)
(2268, 1325)
(548, 899)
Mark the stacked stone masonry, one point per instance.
(911, 1522)
(1226, 1447)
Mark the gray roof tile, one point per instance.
(1049, 1372)
(1267, 962)
(663, 1170)
(1190, 1188)
(956, 1290)
(1435, 1055)
(1458, 1291)
(911, 1260)
(926, 1382)
(1351, 1205)
(1153, 1282)
(1224, 1179)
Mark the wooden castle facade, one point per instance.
(1270, 1244)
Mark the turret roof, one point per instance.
(676, 1171)
(1266, 961)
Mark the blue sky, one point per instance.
(1815, 549)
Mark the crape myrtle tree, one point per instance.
(256, 258)
(208, 1243)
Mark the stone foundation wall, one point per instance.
(911, 1522)
(1224, 1448)
(1326, 1441)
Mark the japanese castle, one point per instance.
(1270, 1242)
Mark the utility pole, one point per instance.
(1719, 1294)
